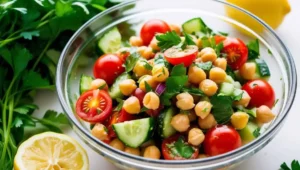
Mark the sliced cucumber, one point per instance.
(135, 132)
(193, 26)
(164, 123)
(237, 85)
(111, 41)
(249, 133)
(262, 69)
(85, 83)
(250, 112)
(114, 90)
(226, 89)
(229, 79)
(237, 94)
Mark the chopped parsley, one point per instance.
(270, 52)
(168, 40)
(276, 101)
(204, 66)
(256, 132)
(120, 105)
(181, 149)
(131, 61)
(147, 65)
(193, 90)
(223, 33)
(211, 42)
(148, 87)
(253, 49)
(222, 108)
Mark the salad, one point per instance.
(176, 93)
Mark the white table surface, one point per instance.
(284, 147)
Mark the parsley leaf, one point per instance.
(222, 108)
(205, 66)
(223, 33)
(178, 70)
(253, 49)
(29, 34)
(250, 112)
(120, 105)
(131, 61)
(34, 80)
(230, 72)
(256, 132)
(148, 87)
(144, 109)
(188, 40)
(193, 90)
(147, 65)
(167, 40)
(295, 165)
(53, 120)
(183, 149)
(211, 42)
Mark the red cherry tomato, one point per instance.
(108, 67)
(261, 93)
(117, 117)
(175, 55)
(140, 94)
(155, 113)
(221, 139)
(237, 52)
(169, 142)
(94, 106)
(151, 27)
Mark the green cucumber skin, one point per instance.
(191, 26)
(163, 132)
(247, 133)
(147, 136)
(114, 90)
(112, 36)
(226, 89)
(85, 83)
(262, 68)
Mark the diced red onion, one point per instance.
(161, 87)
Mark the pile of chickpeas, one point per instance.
(199, 111)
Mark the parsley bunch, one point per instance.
(32, 34)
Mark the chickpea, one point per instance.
(209, 87)
(149, 79)
(217, 75)
(153, 44)
(152, 152)
(199, 43)
(117, 144)
(202, 156)
(135, 41)
(146, 52)
(99, 83)
(208, 122)
(247, 71)
(196, 74)
(264, 114)
(208, 54)
(180, 122)
(139, 69)
(203, 108)
(100, 132)
(221, 63)
(192, 116)
(160, 73)
(175, 28)
(239, 120)
(132, 105)
(127, 87)
(134, 151)
(195, 136)
(185, 101)
(244, 100)
(151, 101)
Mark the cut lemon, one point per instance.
(51, 151)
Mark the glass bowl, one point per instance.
(80, 53)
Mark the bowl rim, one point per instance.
(233, 155)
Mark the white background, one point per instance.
(284, 147)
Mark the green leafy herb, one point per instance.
(183, 149)
(178, 70)
(222, 108)
(131, 61)
(230, 72)
(237, 96)
(148, 87)
(295, 165)
(147, 65)
(223, 33)
(160, 60)
(120, 105)
(270, 52)
(276, 101)
(253, 49)
(262, 67)
(167, 40)
(210, 42)
(144, 109)
(250, 112)
(188, 40)
(194, 91)
(256, 132)
(205, 66)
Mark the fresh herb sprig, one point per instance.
(295, 165)
(29, 30)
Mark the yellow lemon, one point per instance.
(270, 11)
(51, 151)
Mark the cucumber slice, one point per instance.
(237, 85)
(250, 112)
(164, 123)
(85, 83)
(229, 79)
(114, 90)
(249, 133)
(193, 25)
(237, 94)
(135, 132)
(111, 41)
(262, 69)
(226, 89)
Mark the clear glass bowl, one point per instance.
(80, 53)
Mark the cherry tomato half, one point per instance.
(261, 93)
(94, 106)
(221, 139)
(175, 55)
(108, 67)
(237, 52)
(169, 142)
(151, 27)
(117, 117)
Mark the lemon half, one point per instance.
(51, 151)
